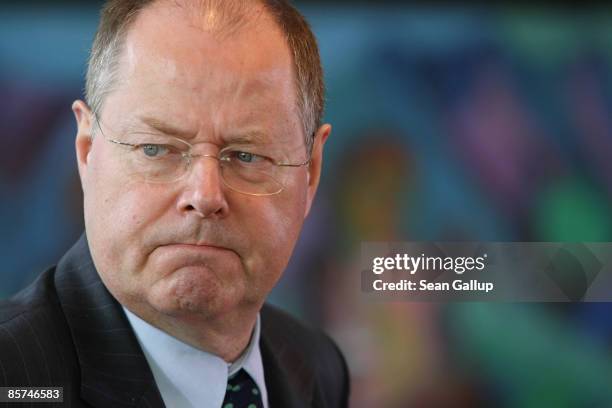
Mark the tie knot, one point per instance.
(242, 392)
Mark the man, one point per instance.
(199, 152)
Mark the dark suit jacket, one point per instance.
(67, 330)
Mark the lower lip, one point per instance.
(188, 247)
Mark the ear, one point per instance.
(83, 141)
(316, 163)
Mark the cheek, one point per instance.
(115, 209)
(287, 213)
(117, 215)
(275, 224)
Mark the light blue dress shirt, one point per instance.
(188, 377)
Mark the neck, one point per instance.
(226, 336)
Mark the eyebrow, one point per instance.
(249, 137)
(167, 128)
(253, 136)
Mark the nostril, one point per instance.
(190, 207)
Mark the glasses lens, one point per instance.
(162, 171)
(157, 160)
(250, 181)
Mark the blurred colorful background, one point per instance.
(450, 123)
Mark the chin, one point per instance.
(178, 296)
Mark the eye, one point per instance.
(154, 150)
(245, 160)
(241, 157)
(246, 157)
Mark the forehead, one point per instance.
(183, 67)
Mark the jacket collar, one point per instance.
(289, 375)
(114, 371)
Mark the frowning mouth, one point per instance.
(179, 255)
(195, 247)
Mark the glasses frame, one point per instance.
(189, 156)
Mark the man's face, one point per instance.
(194, 246)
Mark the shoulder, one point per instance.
(293, 339)
(29, 299)
(34, 337)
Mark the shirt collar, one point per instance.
(185, 375)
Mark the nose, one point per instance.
(203, 193)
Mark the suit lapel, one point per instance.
(289, 377)
(114, 371)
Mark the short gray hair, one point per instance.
(117, 17)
